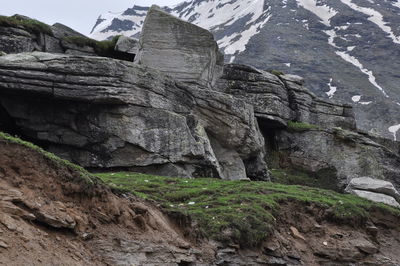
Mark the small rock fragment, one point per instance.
(3, 244)
(296, 233)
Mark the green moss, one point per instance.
(300, 126)
(103, 48)
(30, 25)
(277, 72)
(242, 211)
(87, 177)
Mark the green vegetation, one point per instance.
(300, 126)
(241, 211)
(324, 180)
(277, 72)
(104, 48)
(30, 25)
(87, 177)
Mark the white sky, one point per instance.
(81, 15)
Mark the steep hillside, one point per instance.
(55, 213)
(345, 49)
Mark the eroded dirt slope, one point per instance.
(50, 215)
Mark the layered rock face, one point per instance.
(283, 98)
(19, 40)
(105, 113)
(337, 155)
(178, 48)
(329, 146)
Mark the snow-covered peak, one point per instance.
(217, 15)
(128, 23)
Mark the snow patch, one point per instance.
(393, 130)
(237, 42)
(332, 89)
(324, 12)
(101, 32)
(396, 3)
(332, 35)
(350, 48)
(288, 64)
(216, 14)
(355, 62)
(356, 98)
(375, 17)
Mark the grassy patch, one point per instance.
(277, 72)
(300, 126)
(241, 211)
(88, 178)
(103, 48)
(290, 177)
(30, 25)
(323, 180)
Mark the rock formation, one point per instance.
(278, 99)
(104, 113)
(346, 50)
(375, 190)
(172, 112)
(178, 48)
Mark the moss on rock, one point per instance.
(31, 25)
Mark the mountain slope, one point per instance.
(346, 49)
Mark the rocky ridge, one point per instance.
(345, 49)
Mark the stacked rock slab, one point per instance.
(375, 190)
(106, 113)
(179, 49)
(283, 98)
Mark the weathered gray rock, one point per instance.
(61, 31)
(15, 40)
(178, 48)
(281, 99)
(373, 185)
(376, 197)
(74, 49)
(107, 113)
(127, 45)
(336, 155)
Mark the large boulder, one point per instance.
(105, 113)
(374, 189)
(178, 48)
(337, 154)
(376, 197)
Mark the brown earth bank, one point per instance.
(50, 215)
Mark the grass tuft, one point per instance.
(241, 211)
(103, 48)
(277, 72)
(87, 177)
(31, 25)
(300, 126)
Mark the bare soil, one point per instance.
(50, 216)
